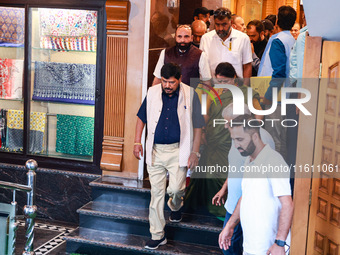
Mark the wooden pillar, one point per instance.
(305, 145)
(115, 85)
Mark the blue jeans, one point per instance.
(236, 240)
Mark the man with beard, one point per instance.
(225, 44)
(265, 208)
(255, 31)
(172, 112)
(202, 13)
(193, 62)
(232, 188)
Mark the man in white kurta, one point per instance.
(225, 44)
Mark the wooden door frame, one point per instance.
(305, 146)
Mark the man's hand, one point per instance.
(224, 239)
(218, 198)
(138, 151)
(192, 161)
(276, 250)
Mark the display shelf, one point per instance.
(62, 50)
(62, 155)
(12, 100)
(11, 47)
(61, 103)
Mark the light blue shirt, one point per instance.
(297, 56)
(236, 160)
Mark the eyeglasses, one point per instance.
(222, 13)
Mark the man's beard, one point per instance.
(249, 150)
(183, 46)
(222, 33)
(208, 23)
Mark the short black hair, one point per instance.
(272, 18)
(286, 17)
(257, 24)
(222, 13)
(247, 122)
(171, 70)
(268, 25)
(202, 10)
(225, 69)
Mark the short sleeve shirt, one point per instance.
(236, 50)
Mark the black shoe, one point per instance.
(175, 216)
(153, 244)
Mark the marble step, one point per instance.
(96, 242)
(121, 191)
(134, 220)
(129, 192)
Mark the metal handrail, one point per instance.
(30, 210)
(15, 186)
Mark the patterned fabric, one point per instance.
(75, 135)
(12, 25)
(11, 77)
(68, 29)
(83, 43)
(63, 82)
(15, 132)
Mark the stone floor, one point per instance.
(48, 237)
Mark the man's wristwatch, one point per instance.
(197, 154)
(280, 243)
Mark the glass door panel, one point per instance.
(12, 35)
(63, 82)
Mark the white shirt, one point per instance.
(235, 179)
(203, 66)
(260, 205)
(235, 49)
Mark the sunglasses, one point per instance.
(222, 13)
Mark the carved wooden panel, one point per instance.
(319, 243)
(336, 189)
(325, 207)
(322, 208)
(334, 217)
(115, 99)
(333, 76)
(324, 184)
(329, 129)
(326, 155)
(117, 13)
(331, 104)
(333, 248)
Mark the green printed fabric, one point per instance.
(75, 135)
(204, 185)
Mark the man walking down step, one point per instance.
(172, 111)
(265, 208)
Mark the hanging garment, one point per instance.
(11, 78)
(15, 132)
(12, 26)
(64, 82)
(75, 135)
(68, 29)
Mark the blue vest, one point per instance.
(288, 41)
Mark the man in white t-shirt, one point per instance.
(265, 208)
(232, 185)
(225, 44)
